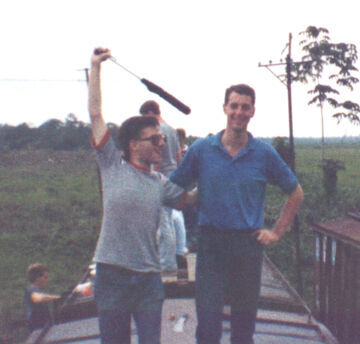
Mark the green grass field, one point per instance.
(50, 212)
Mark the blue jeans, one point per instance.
(167, 240)
(180, 232)
(120, 293)
(228, 270)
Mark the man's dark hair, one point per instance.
(241, 89)
(35, 271)
(150, 105)
(131, 130)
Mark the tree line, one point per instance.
(73, 134)
(54, 134)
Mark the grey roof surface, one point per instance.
(270, 328)
(288, 321)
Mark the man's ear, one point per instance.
(253, 114)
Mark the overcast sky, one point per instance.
(193, 49)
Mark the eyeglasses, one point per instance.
(155, 139)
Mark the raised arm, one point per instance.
(37, 297)
(98, 124)
(290, 209)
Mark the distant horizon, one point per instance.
(351, 137)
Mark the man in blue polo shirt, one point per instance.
(232, 169)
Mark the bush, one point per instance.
(330, 167)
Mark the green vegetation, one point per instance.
(50, 212)
(317, 206)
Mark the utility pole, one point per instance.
(288, 84)
(86, 70)
(296, 227)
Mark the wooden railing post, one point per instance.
(337, 277)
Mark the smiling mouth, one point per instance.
(240, 122)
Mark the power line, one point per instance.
(40, 80)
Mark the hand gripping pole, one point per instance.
(155, 88)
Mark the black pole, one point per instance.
(153, 87)
(288, 78)
(296, 227)
(87, 75)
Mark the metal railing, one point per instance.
(337, 278)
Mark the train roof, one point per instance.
(283, 317)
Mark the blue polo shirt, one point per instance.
(232, 189)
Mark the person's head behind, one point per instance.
(181, 133)
(150, 107)
(38, 274)
(131, 129)
(240, 89)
